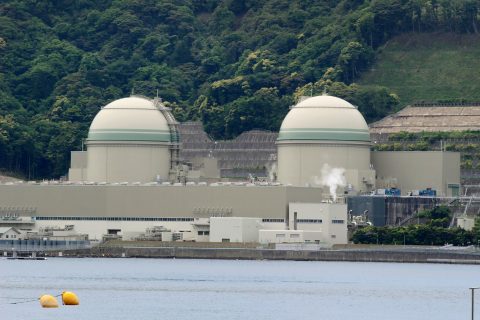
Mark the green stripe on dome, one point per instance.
(129, 135)
(324, 134)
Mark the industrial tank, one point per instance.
(321, 136)
(129, 140)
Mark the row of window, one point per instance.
(291, 236)
(309, 220)
(171, 219)
(203, 233)
(114, 219)
(273, 220)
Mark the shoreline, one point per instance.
(396, 255)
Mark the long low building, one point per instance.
(129, 210)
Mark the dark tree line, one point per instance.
(434, 231)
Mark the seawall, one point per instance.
(406, 255)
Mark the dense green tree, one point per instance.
(435, 231)
(413, 235)
(476, 231)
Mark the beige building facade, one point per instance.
(234, 229)
(417, 170)
(128, 210)
(329, 218)
(139, 163)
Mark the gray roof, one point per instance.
(5, 229)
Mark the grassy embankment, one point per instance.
(428, 67)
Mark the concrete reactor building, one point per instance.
(130, 182)
(130, 140)
(322, 133)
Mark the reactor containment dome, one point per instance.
(320, 134)
(129, 140)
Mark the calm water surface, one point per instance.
(217, 289)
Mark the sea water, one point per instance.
(231, 289)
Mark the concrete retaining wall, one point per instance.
(409, 256)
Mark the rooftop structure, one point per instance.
(250, 152)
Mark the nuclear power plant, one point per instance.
(134, 181)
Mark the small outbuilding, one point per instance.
(9, 233)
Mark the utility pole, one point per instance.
(473, 301)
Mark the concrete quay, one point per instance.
(361, 254)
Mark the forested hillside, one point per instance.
(234, 64)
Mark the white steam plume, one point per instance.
(272, 171)
(332, 178)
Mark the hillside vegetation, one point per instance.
(234, 64)
(428, 67)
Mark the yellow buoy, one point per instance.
(48, 301)
(70, 298)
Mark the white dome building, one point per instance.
(322, 133)
(129, 140)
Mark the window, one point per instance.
(338, 221)
(280, 235)
(294, 235)
(333, 236)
